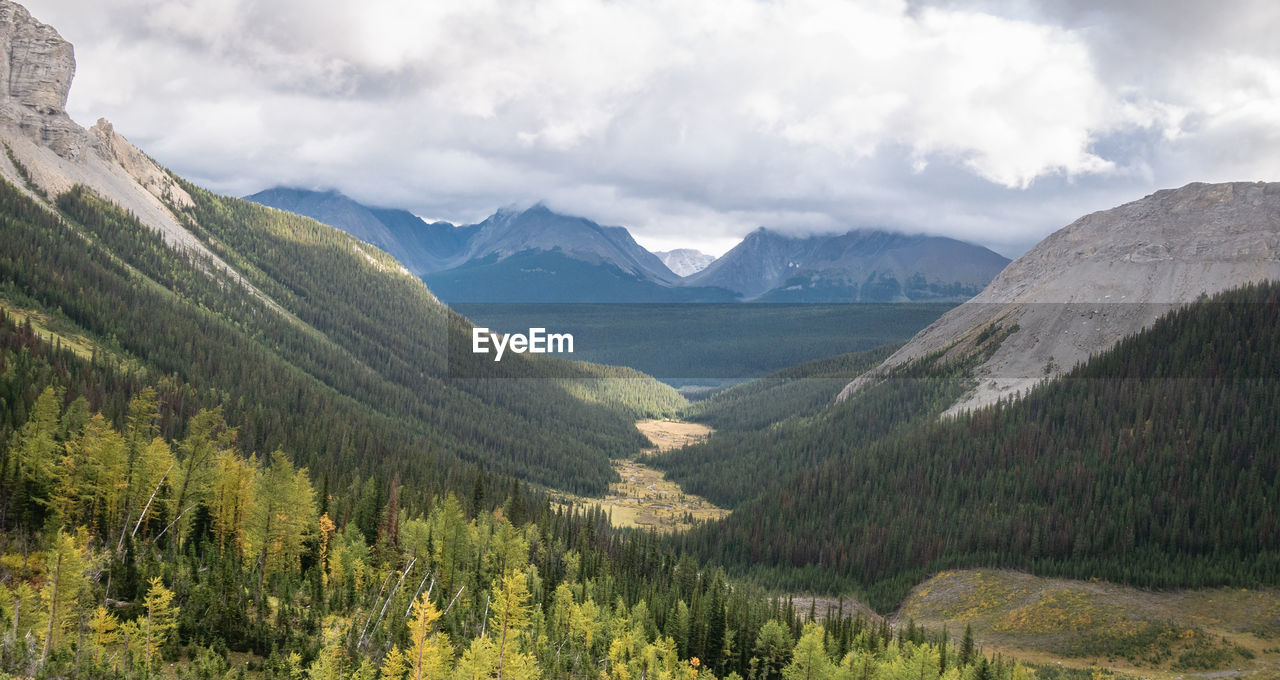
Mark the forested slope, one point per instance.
(174, 555)
(338, 357)
(1154, 464)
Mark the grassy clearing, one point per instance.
(645, 497)
(43, 325)
(1082, 624)
(672, 434)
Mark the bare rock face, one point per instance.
(48, 153)
(35, 79)
(139, 166)
(685, 261)
(1106, 276)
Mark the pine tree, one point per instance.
(772, 648)
(207, 435)
(281, 518)
(230, 499)
(394, 665)
(35, 452)
(105, 627)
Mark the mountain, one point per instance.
(859, 266)
(420, 246)
(532, 255)
(537, 255)
(306, 338)
(1102, 278)
(685, 261)
(1135, 373)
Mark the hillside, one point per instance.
(1104, 277)
(1161, 474)
(419, 246)
(302, 334)
(1080, 624)
(858, 266)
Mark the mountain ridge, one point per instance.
(861, 265)
(1103, 277)
(469, 263)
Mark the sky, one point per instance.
(693, 123)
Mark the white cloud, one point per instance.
(693, 120)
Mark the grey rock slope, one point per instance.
(685, 261)
(861, 265)
(1102, 278)
(36, 69)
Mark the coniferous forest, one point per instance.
(139, 541)
(274, 473)
(1154, 464)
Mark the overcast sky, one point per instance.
(693, 122)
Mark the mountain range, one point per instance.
(538, 255)
(236, 434)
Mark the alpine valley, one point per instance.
(242, 438)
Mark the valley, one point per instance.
(251, 439)
(644, 497)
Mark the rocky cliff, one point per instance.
(685, 261)
(1102, 278)
(35, 79)
(48, 153)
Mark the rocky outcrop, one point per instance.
(35, 80)
(1106, 276)
(685, 261)
(155, 180)
(55, 154)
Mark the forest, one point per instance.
(352, 372)
(128, 553)
(286, 473)
(1153, 464)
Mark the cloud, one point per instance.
(694, 122)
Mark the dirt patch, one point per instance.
(824, 607)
